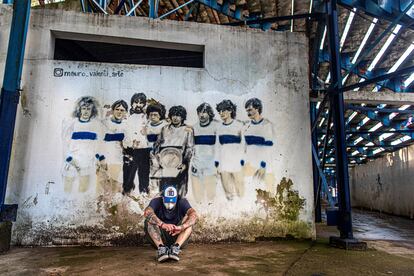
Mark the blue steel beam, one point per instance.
(321, 174)
(320, 112)
(10, 92)
(385, 9)
(337, 105)
(374, 136)
(370, 136)
(375, 115)
(224, 8)
(190, 11)
(326, 140)
(120, 7)
(134, 8)
(398, 131)
(316, 53)
(384, 119)
(369, 151)
(176, 9)
(93, 5)
(386, 145)
(258, 21)
(367, 50)
(83, 7)
(331, 157)
(316, 170)
(89, 7)
(392, 81)
(379, 110)
(197, 13)
(325, 144)
(131, 5)
(153, 11)
(379, 79)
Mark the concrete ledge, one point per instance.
(369, 97)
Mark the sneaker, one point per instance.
(174, 252)
(162, 253)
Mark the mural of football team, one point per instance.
(141, 146)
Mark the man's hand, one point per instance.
(177, 230)
(168, 227)
(172, 229)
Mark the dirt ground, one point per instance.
(391, 252)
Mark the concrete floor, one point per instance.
(390, 240)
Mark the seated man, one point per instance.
(168, 223)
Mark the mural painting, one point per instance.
(204, 162)
(81, 136)
(113, 135)
(217, 154)
(139, 148)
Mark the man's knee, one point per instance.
(146, 225)
(188, 230)
(186, 235)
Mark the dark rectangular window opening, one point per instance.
(166, 54)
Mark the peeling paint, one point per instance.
(24, 104)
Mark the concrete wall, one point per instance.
(386, 184)
(239, 64)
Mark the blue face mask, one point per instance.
(170, 196)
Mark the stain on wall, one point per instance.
(385, 184)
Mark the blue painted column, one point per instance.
(337, 105)
(316, 186)
(10, 93)
(153, 8)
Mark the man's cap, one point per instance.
(170, 195)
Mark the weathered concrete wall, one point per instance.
(386, 184)
(239, 64)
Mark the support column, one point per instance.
(153, 8)
(346, 239)
(316, 187)
(10, 95)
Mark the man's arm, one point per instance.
(152, 217)
(154, 220)
(154, 224)
(191, 219)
